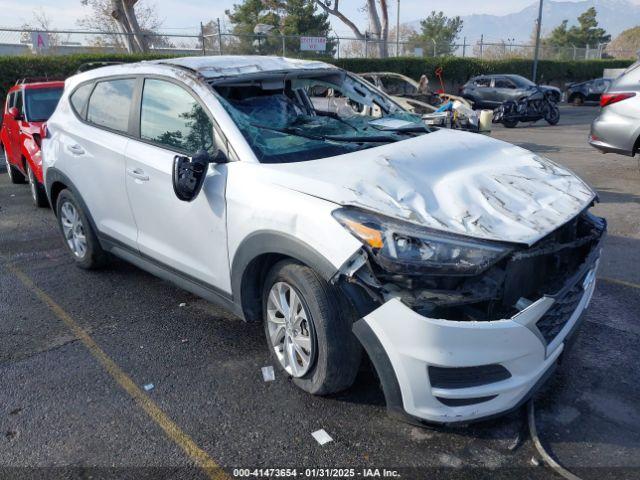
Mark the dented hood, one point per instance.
(448, 180)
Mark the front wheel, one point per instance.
(38, 194)
(552, 115)
(307, 332)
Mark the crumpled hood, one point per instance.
(448, 180)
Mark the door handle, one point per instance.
(138, 174)
(75, 149)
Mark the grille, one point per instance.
(465, 377)
(560, 312)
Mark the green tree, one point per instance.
(439, 30)
(585, 33)
(291, 17)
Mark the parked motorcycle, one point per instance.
(536, 106)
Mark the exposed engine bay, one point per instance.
(498, 288)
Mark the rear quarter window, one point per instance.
(79, 99)
(110, 104)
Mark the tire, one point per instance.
(577, 100)
(15, 175)
(552, 115)
(38, 193)
(509, 123)
(92, 255)
(334, 352)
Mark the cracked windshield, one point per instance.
(287, 119)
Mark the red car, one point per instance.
(29, 104)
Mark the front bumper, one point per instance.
(403, 345)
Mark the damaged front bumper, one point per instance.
(446, 371)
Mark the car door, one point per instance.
(189, 237)
(16, 125)
(93, 150)
(8, 124)
(503, 89)
(481, 91)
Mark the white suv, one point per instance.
(297, 195)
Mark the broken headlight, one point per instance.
(405, 248)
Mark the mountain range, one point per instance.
(613, 15)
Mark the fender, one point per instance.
(274, 242)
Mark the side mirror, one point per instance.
(15, 113)
(189, 173)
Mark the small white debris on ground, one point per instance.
(321, 436)
(534, 461)
(149, 386)
(183, 304)
(268, 374)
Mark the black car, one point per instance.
(590, 91)
(489, 91)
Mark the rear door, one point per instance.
(189, 237)
(93, 150)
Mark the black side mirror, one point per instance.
(189, 173)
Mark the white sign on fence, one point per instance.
(40, 40)
(313, 44)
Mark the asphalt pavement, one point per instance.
(77, 349)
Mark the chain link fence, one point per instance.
(15, 41)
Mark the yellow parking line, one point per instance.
(199, 456)
(620, 282)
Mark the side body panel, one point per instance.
(94, 160)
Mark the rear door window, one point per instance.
(110, 104)
(504, 83)
(170, 116)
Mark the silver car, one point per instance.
(617, 128)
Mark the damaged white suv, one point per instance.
(295, 194)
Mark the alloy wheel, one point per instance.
(73, 229)
(290, 329)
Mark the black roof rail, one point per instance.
(91, 65)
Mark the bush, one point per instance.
(55, 67)
(456, 70)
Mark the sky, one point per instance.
(186, 15)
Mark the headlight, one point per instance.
(401, 247)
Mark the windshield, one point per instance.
(41, 102)
(523, 82)
(292, 118)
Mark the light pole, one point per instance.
(398, 31)
(535, 55)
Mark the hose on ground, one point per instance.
(548, 459)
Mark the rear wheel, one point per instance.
(307, 332)
(15, 175)
(509, 123)
(38, 194)
(78, 235)
(577, 100)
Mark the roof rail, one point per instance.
(24, 80)
(91, 65)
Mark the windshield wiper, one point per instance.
(332, 138)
